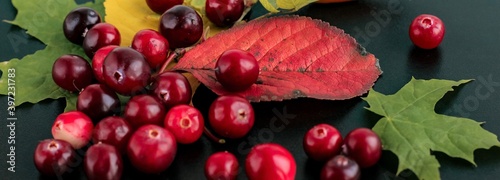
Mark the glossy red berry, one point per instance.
(221, 166)
(114, 131)
(53, 157)
(270, 161)
(103, 161)
(73, 127)
(363, 146)
(152, 45)
(224, 12)
(98, 101)
(160, 6)
(126, 71)
(78, 22)
(101, 35)
(427, 31)
(185, 122)
(182, 26)
(340, 167)
(98, 62)
(144, 109)
(72, 72)
(236, 70)
(231, 116)
(151, 149)
(322, 142)
(172, 88)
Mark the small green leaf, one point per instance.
(293, 5)
(70, 102)
(411, 129)
(270, 5)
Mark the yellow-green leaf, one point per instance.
(270, 5)
(293, 5)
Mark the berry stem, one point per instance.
(211, 136)
(205, 34)
(171, 57)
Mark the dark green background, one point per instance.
(469, 51)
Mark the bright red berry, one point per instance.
(221, 165)
(231, 116)
(114, 131)
(322, 142)
(224, 12)
(72, 72)
(185, 122)
(340, 167)
(160, 6)
(270, 161)
(152, 45)
(151, 149)
(172, 88)
(427, 31)
(236, 70)
(98, 61)
(54, 157)
(103, 161)
(363, 146)
(101, 35)
(73, 127)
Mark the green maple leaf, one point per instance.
(410, 127)
(42, 20)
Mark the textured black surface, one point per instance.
(469, 51)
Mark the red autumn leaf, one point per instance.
(298, 57)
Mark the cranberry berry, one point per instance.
(53, 157)
(101, 35)
(182, 26)
(160, 6)
(126, 71)
(103, 161)
(363, 146)
(151, 149)
(144, 109)
(98, 101)
(172, 88)
(427, 31)
(221, 165)
(185, 122)
(340, 167)
(72, 72)
(152, 45)
(322, 142)
(270, 161)
(98, 62)
(224, 12)
(73, 127)
(114, 131)
(231, 116)
(78, 22)
(236, 70)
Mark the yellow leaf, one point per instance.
(293, 5)
(270, 5)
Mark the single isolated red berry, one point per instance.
(98, 61)
(152, 45)
(99, 36)
(231, 116)
(363, 146)
(270, 161)
(160, 6)
(221, 165)
(103, 161)
(340, 167)
(236, 70)
(427, 31)
(73, 127)
(53, 157)
(322, 142)
(185, 122)
(72, 72)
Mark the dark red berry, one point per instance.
(152, 45)
(270, 161)
(322, 142)
(236, 70)
(427, 31)
(363, 146)
(340, 168)
(151, 149)
(224, 12)
(126, 71)
(221, 166)
(98, 101)
(98, 62)
(172, 88)
(101, 35)
(185, 122)
(72, 72)
(53, 157)
(73, 127)
(160, 6)
(182, 26)
(114, 131)
(78, 22)
(144, 109)
(103, 161)
(231, 116)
